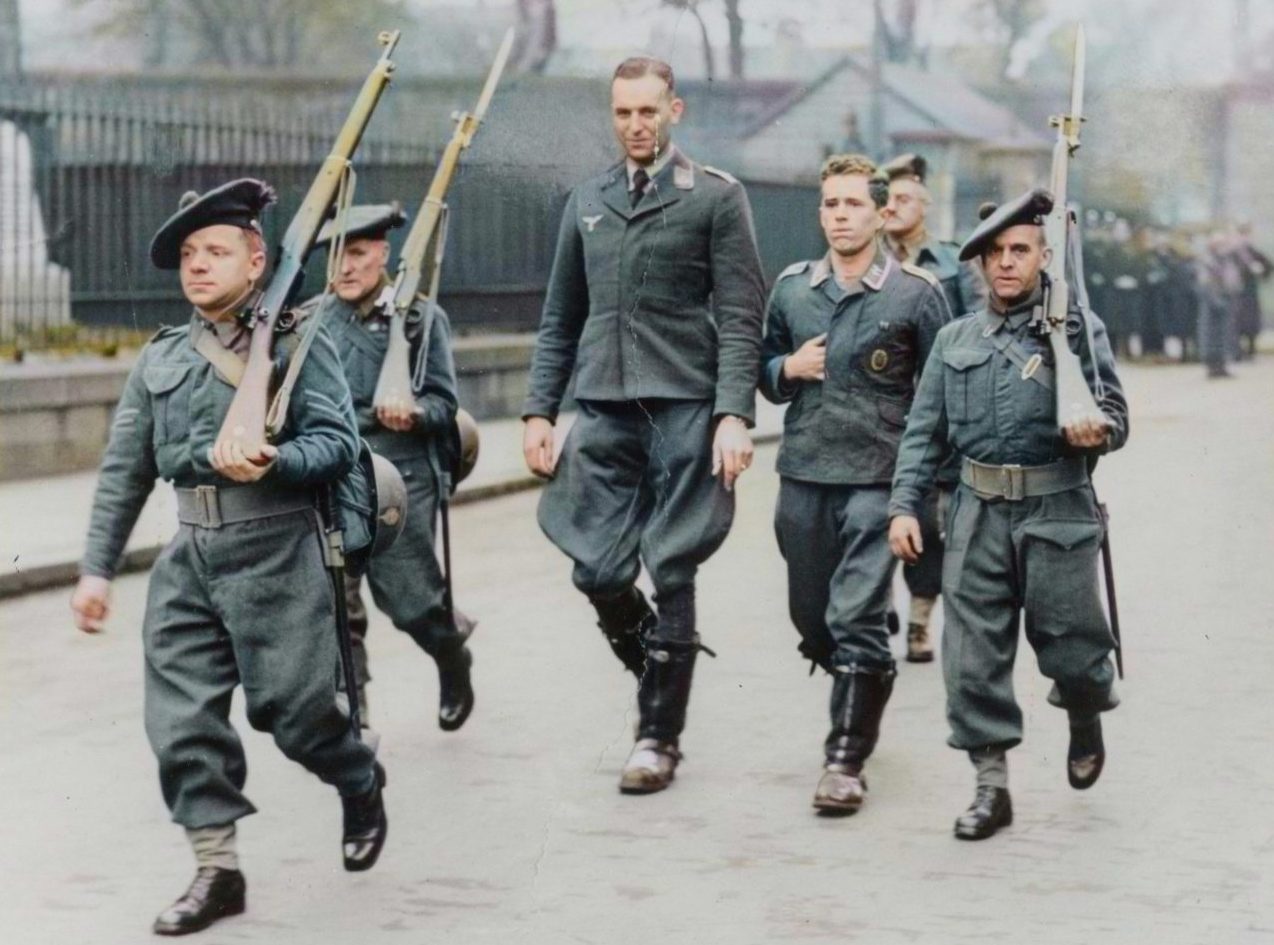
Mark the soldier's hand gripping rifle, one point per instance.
(245, 424)
(1075, 400)
(417, 265)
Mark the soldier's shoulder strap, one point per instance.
(795, 269)
(724, 175)
(920, 272)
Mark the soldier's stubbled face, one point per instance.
(849, 217)
(1014, 260)
(219, 266)
(362, 263)
(643, 111)
(905, 212)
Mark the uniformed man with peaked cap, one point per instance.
(845, 338)
(655, 302)
(1024, 527)
(907, 236)
(406, 580)
(240, 595)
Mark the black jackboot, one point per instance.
(214, 894)
(626, 620)
(857, 705)
(365, 826)
(662, 698)
(455, 687)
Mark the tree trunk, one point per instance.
(735, 20)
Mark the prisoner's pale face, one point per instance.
(848, 215)
(643, 112)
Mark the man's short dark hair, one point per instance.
(634, 67)
(845, 164)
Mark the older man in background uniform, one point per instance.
(1024, 529)
(656, 294)
(240, 595)
(406, 580)
(907, 236)
(845, 338)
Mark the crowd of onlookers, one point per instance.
(1199, 286)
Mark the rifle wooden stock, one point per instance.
(1075, 399)
(394, 383)
(245, 421)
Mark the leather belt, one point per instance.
(213, 506)
(1015, 483)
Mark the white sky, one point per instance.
(1167, 41)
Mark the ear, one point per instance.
(256, 264)
(1047, 257)
(384, 253)
(678, 108)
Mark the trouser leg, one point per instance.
(275, 598)
(980, 606)
(190, 676)
(805, 524)
(1065, 622)
(595, 507)
(859, 594)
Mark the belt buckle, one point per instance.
(209, 506)
(1012, 482)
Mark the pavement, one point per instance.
(512, 830)
(43, 521)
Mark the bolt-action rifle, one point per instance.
(1075, 399)
(246, 420)
(420, 262)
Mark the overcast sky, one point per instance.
(1168, 41)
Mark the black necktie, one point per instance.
(640, 180)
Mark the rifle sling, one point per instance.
(1012, 349)
(225, 362)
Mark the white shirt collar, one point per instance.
(652, 169)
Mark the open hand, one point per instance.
(731, 450)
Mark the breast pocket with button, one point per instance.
(967, 382)
(170, 400)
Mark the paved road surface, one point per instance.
(512, 830)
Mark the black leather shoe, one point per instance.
(365, 826)
(455, 688)
(214, 894)
(991, 810)
(1086, 755)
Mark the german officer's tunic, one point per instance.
(657, 309)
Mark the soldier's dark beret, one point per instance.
(238, 203)
(369, 221)
(1031, 208)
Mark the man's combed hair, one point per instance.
(634, 67)
(841, 164)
